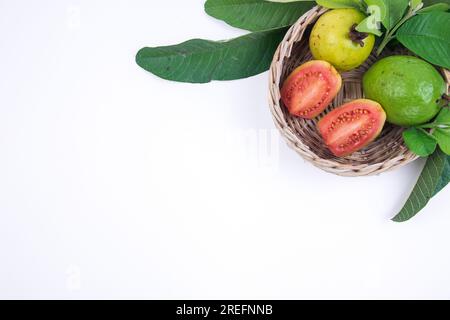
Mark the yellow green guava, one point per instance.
(409, 89)
(334, 39)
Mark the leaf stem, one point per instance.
(390, 34)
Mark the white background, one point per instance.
(116, 184)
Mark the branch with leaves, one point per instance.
(420, 26)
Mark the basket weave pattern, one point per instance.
(386, 153)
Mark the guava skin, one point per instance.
(409, 89)
(330, 39)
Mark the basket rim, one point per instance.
(284, 50)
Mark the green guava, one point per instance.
(409, 89)
(335, 39)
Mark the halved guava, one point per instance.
(352, 126)
(311, 88)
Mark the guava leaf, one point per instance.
(436, 7)
(445, 176)
(257, 15)
(428, 36)
(434, 177)
(443, 138)
(390, 12)
(378, 9)
(371, 24)
(432, 2)
(414, 4)
(336, 4)
(419, 142)
(201, 61)
(442, 133)
(443, 117)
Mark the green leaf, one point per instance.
(390, 12)
(442, 133)
(257, 15)
(336, 4)
(415, 3)
(201, 61)
(428, 36)
(443, 116)
(431, 2)
(443, 138)
(434, 177)
(371, 24)
(445, 176)
(419, 142)
(436, 7)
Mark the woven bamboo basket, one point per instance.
(388, 152)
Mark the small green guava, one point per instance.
(335, 39)
(408, 88)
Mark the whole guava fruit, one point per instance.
(409, 89)
(335, 39)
